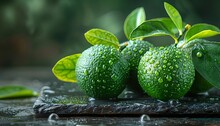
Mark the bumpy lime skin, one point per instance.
(133, 53)
(166, 73)
(101, 72)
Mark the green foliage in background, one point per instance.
(31, 28)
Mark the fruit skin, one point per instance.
(166, 73)
(101, 72)
(133, 53)
(200, 84)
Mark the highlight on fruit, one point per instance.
(191, 64)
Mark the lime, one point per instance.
(101, 72)
(133, 53)
(166, 73)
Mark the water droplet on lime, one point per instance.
(176, 66)
(96, 69)
(110, 62)
(164, 61)
(152, 61)
(100, 52)
(135, 49)
(141, 52)
(169, 78)
(156, 73)
(93, 82)
(161, 48)
(104, 67)
(114, 77)
(160, 80)
(86, 72)
(103, 57)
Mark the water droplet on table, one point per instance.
(53, 118)
(91, 99)
(144, 118)
(49, 91)
(71, 123)
(45, 88)
(174, 102)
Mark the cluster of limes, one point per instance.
(103, 71)
(164, 73)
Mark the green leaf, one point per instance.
(64, 69)
(15, 91)
(155, 27)
(134, 19)
(201, 31)
(175, 16)
(205, 56)
(99, 36)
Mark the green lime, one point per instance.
(133, 53)
(166, 73)
(101, 72)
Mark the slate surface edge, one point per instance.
(147, 106)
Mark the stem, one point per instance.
(187, 27)
(176, 40)
(123, 45)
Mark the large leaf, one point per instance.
(201, 31)
(175, 16)
(15, 91)
(134, 19)
(155, 27)
(99, 36)
(206, 58)
(64, 69)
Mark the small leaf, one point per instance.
(175, 16)
(15, 91)
(155, 27)
(99, 36)
(134, 19)
(205, 55)
(64, 69)
(201, 31)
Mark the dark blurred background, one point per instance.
(40, 32)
